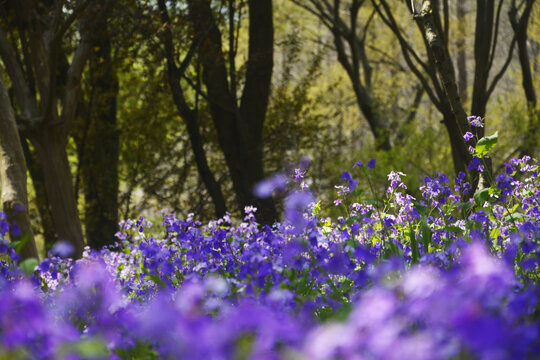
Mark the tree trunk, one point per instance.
(50, 146)
(254, 102)
(485, 11)
(459, 157)
(351, 59)
(444, 66)
(519, 26)
(445, 69)
(42, 203)
(13, 177)
(458, 125)
(461, 51)
(207, 177)
(100, 150)
(365, 102)
(239, 128)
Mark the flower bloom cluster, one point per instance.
(436, 276)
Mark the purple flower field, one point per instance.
(450, 275)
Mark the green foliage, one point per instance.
(485, 144)
(19, 244)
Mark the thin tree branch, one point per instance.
(496, 35)
(501, 72)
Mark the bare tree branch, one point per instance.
(496, 35)
(501, 72)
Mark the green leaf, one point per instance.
(376, 203)
(456, 230)
(316, 208)
(495, 233)
(465, 205)
(481, 196)
(513, 216)
(485, 144)
(19, 244)
(28, 266)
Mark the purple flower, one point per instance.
(509, 169)
(339, 263)
(4, 246)
(371, 164)
(468, 136)
(395, 181)
(62, 249)
(4, 227)
(358, 164)
(347, 176)
(15, 229)
(299, 174)
(295, 205)
(475, 121)
(504, 183)
(479, 216)
(476, 164)
(363, 253)
(265, 188)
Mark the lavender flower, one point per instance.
(475, 121)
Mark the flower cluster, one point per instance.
(444, 275)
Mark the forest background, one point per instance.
(116, 109)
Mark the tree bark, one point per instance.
(488, 14)
(100, 152)
(50, 147)
(367, 106)
(445, 71)
(13, 177)
(42, 203)
(458, 125)
(462, 51)
(459, 160)
(485, 10)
